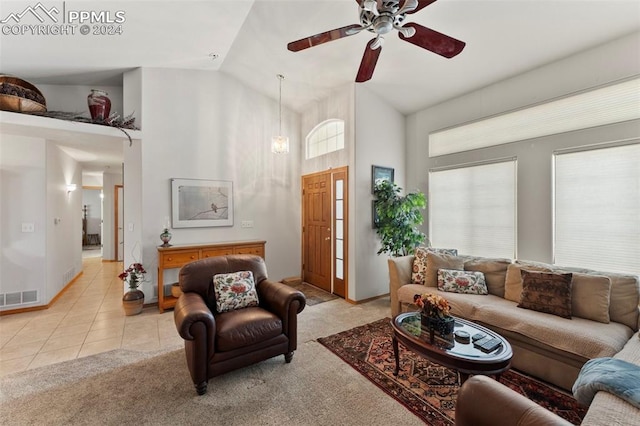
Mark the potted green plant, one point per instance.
(133, 300)
(398, 218)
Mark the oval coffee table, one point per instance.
(450, 351)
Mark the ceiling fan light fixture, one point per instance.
(280, 144)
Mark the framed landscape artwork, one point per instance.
(197, 203)
(380, 173)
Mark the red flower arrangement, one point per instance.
(134, 275)
(432, 305)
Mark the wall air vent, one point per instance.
(19, 298)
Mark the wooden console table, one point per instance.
(177, 256)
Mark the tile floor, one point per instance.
(87, 319)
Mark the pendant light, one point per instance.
(280, 144)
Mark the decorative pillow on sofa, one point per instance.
(436, 261)
(513, 279)
(546, 292)
(468, 282)
(236, 290)
(419, 269)
(590, 297)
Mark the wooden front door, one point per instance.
(316, 230)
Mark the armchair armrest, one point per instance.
(281, 299)
(483, 401)
(189, 310)
(399, 274)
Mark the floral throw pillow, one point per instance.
(236, 290)
(419, 268)
(468, 282)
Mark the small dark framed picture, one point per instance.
(380, 173)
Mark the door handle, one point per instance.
(327, 239)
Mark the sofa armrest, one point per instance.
(484, 401)
(399, 274)
(190, 309)
(284, 301)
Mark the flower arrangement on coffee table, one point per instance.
(434, 313)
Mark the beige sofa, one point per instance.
(545, 346)
(480, 392)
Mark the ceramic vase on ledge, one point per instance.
(99, 105)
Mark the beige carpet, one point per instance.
(124, 387)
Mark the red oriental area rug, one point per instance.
(428, 389)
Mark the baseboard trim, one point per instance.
(43, 307)
(357, 302)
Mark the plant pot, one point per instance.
(441, 326)
(132, 302)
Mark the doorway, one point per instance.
(325, 230)
(91, 221)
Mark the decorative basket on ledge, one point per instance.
(17, 95)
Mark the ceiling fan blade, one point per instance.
(327, 36)
(434, 41)
(421, 5)
(368, 63)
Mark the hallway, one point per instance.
(87, 319)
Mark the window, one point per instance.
(597, 209)
(473, 209)
(597, 107)
(326, 137)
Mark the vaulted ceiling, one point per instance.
(248, 40)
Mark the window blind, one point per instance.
(473, 209)
(597, 209)
(610, 104)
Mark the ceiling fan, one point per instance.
(380, 17)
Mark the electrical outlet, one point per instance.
(247, 224)
(28, 227)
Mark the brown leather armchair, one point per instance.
(483, 401)
(216, 343)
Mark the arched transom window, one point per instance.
(326, 137)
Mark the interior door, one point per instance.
(316, 230)
(119, 243)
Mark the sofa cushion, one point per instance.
(235, 290)
(467, 282)
(419, 269)
(590, 297)
(494, 270)
(585, 338)
(546, 292)
(437, 261)
(513, 281)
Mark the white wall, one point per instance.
(380, 140)
(339, 104)
(206, 125)
(110, 180)
(604, 64)
(23, 195)
(63, 220)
